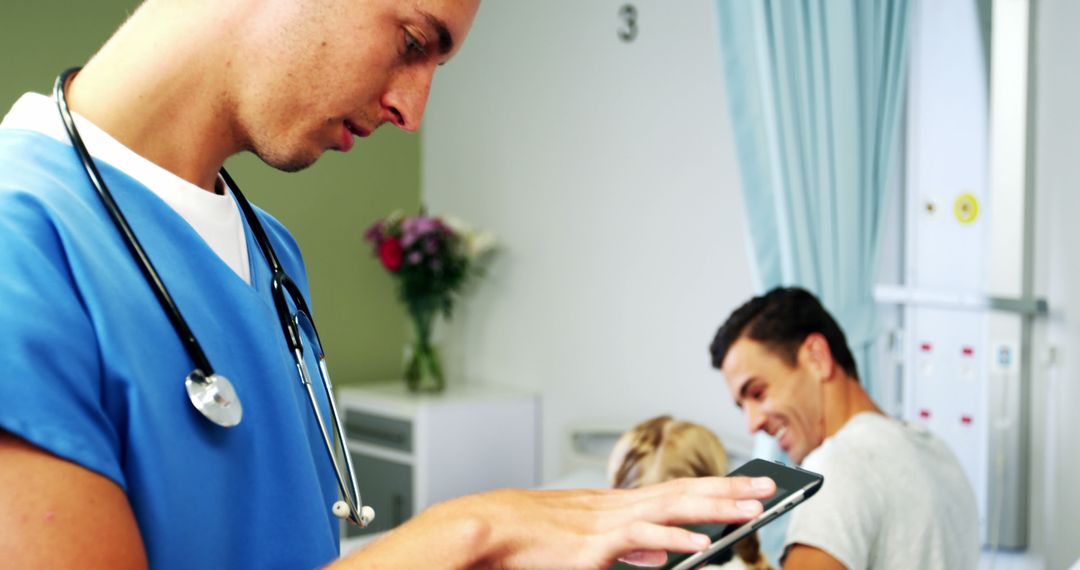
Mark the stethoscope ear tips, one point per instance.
(341, 511)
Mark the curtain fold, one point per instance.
(815, 93)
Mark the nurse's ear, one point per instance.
(816, 356)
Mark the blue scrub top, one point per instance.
(91, 369)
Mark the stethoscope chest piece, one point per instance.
(214, 397)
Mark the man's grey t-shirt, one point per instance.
(895, 497)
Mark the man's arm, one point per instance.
(564, 529)
(56, 514)
(801, 556)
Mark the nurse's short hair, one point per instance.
(781, 320)
(664, 448)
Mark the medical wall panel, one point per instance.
(966, 286)
(946, 388)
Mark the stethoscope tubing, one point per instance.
(279, 279)
(179, 323)
(282, 288)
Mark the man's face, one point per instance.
(782, 400)
(329, 70)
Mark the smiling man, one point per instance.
(894, 497)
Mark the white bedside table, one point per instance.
(413, 450)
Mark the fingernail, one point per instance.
(748, 506)
(700, 540)
(650, 558)
(763, 483)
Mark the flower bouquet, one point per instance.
(431, 259)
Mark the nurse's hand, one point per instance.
(566, 529)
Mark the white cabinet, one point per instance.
(413, 450)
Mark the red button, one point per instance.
(968, 351)
(925, 347)
(966, 420)
(924, 414)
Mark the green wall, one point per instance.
(327, 206)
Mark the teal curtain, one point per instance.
(815, 91)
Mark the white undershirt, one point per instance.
(215, 217)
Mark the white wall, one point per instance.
(607, 170)
(1056, 386)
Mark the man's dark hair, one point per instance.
(781, 320)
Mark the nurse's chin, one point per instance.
(292, 164)
(289, 160)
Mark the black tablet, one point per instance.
(793, 486)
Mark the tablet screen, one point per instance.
(788, 480)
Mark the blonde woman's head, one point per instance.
(664, 448)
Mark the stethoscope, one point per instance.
(212, 394)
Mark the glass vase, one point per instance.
(423, 370)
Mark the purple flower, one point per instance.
(408, 236)
(415, 258)
(426, 225)
(431, 245)
(412, 229)
(374, 232)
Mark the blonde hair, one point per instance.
(664, 448)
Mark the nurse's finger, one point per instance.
(689, 502)
(714, 487)
(648, 543)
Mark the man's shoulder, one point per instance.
(866, 432)
(864, 449)
(881, 453)
(883, 478)
(856, 433)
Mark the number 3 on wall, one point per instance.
(629, 30)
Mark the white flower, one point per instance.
(477, 243)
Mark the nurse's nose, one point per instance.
(404, 102)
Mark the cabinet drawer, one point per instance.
(387, 487)
(378, 430)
